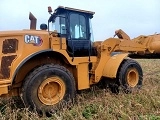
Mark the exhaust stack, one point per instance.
(33, 21)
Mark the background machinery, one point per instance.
(45, 67)
(151, 43)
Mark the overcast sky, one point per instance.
(135, 17)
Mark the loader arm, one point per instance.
(150, 42)
(121, 34)
(114, 45)
(121, 45)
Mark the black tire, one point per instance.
(31, 87)
(130, 75)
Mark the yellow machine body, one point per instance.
(19, 57)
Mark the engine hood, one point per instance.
(22, 32)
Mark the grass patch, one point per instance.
(102, 104)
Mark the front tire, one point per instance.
(47, 86)
(130, 75)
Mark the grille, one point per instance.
(10, 46)
(5, 66)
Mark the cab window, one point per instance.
(78, 26)
(59, 24)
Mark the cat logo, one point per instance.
(35, 40)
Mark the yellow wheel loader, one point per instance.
(48, 66)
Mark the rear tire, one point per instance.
(46, 87)
(130, 75)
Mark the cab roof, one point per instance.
(65, 10)
(62, 8)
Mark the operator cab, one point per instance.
(75, 26)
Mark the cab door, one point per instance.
(78, 39)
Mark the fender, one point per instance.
(26, 59)
(111, 67)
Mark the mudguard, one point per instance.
(111, 67)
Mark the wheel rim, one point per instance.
(132, 77)
(51, 90)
